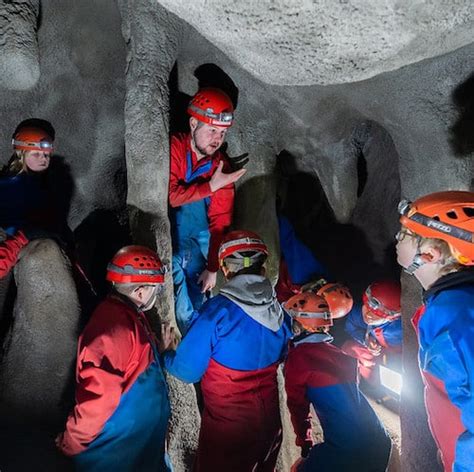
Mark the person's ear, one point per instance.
(431, 255)
(225, 271)
(193, 123)
(139, 293)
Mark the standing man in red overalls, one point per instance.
(201, 196)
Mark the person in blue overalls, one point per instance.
(234, 347)
(28, 208)
(121, 414)
(201, 196)
(375, 326)
(436, 245)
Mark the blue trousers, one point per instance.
(133, 439)
(188, 264)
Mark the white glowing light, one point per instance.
(391, 379)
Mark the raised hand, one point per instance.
(219, 179)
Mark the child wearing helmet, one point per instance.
(201, 197)
(375, 327)
(234, 347)
(27, 207)
(121, 414)
(436, 245)
(319, 373)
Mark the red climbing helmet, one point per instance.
(212, 106)
(241, 249)
(338, 297)
(32, 139)
(136, 264)
(311, 311)
(383, 299)
(443, 215)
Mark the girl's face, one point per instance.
(36, 161)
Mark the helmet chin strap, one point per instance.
(417, 261)
(151, 302)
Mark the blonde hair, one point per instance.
(448, 262)
(16, 165)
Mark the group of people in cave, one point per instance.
(232, 343)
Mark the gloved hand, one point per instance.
(9, 250)
(238, 162)
(353, 348)
(374, 347)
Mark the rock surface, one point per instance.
(328, 42)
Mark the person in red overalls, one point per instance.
(436, 245)
(318, 373)
(122, 408)
(201, 197)
(235, 345)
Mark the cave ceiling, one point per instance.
(328, 42)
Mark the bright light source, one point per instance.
(391, 379)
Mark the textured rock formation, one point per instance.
(323, 42)
(153, 37)
(111, 73)
(19, 54)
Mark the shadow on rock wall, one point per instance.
(99, 236)
(208, 75)
(462, 131)
(342, 248)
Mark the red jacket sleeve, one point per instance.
(9, 250)
(298, 404)
(103, 355)
(284, 287)
(220, 218)
(179, 191)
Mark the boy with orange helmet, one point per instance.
(201, 196)
(121, 414)
(436, 245)
(319, 373)
(234, 347)
(375, 327)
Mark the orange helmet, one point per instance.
(241, 249)
(136, 264)
(383, 299)
(32, 139)
(338, 297)
(443, 215)
(311, 311)
(212, 106)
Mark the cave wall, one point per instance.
(63, 62)
(406, 126)
(81, 91)
(105, 86)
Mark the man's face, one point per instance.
(207, 138)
